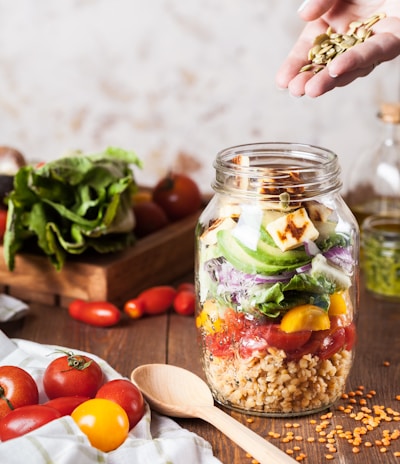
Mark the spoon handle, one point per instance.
(261, 450)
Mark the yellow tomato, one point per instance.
(338, 305)
(104, 422)
(305, 317)
(209, 319)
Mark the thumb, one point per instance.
(310, 10)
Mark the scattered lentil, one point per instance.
(369, 419)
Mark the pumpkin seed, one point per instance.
(328, 45)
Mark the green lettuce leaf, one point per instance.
(72, 204)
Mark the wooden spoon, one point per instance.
(177, 392)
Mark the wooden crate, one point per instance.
(158, 259)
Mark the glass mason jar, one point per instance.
(381, 255)
(276, 280)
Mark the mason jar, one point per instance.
(380, 261)
(276, 280)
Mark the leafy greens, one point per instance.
(72, 204)
(271, 297)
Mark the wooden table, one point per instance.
(172, 339)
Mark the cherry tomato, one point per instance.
(285, 341)
(105, 423)
(25, 419)
(185, 303)
(178, 195)
(150, 217)
(249, 345)
(127, 395)
(219, 344)
(186, 286)
(97, 313)
(134, 308)
(3, 222)
(351, 336)
(260, 337)
(331, 342)
(17, 388)
(72, 375)
(157, 300)
(66, 404)
(322, 343)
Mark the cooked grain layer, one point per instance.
(271, 384)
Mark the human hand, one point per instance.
(358, 61)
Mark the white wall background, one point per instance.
(175, 80)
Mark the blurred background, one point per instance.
(176, 81)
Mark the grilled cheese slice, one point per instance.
(292, 230)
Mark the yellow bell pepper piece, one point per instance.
(305, 317)
(209, 319)
(338, 305)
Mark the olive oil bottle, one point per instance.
(374, 182)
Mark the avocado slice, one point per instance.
(273, 255)
(251, 261)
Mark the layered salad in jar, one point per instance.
(276, 296)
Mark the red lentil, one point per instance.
(368, 420)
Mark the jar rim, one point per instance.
(388, 226)
(279, 166)
(381, 230)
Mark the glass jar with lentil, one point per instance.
(276, 280)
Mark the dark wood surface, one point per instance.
(172, 339)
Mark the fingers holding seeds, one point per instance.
(298, 55)
(330, 44)
(334, 59)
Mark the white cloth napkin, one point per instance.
(155, 439)
(11, 308)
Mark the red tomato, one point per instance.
(66, 404)
(285, 341)
(178, 195)
(331, 342)
(351, 336)
(25, 419)
(312, 346)
(322, 343)
(186, 286)
(150, 217)
(185, 303)
(157, 300)
(250, 344)
(260, 337)
(3, 222)
(72, 375)
(134, 308)
(104, 422)
(97, 313)
(220, 344)
(127, 395)
(17, 388)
